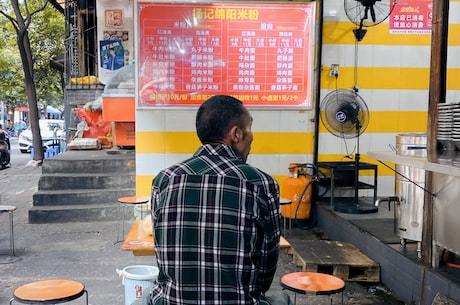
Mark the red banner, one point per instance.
(260, 53)
(411, 17)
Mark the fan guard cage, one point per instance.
(344, 113)
(366, 13)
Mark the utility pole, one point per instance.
(437, 94)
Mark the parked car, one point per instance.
(51, 131)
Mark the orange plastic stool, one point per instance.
(49, 292)
(312, 283)
(123, 201)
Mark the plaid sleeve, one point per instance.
(269, 207)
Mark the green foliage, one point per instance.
(46, 33)
(47, 40)
(11, 73)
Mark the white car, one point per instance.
(50, 130)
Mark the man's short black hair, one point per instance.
(216, 116)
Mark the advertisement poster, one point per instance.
(113, 18)
(115, 35)
(411, 17)
(112, 54)
(260, 53)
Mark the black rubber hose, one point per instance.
(312, 211)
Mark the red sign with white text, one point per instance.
(259, 53)
(411, 17)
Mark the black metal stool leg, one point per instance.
(11, 233)
(120, 218)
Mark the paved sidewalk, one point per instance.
(85, 251)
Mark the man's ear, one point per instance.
(235, 134)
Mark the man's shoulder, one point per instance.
(174, 170)
(223, 166)
(254, 173)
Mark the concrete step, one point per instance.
(77, 213)
(71, 197)
(83, 186)
(81, 181)
(90, 161)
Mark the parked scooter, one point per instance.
(5, 148)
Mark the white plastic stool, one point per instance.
(123, 201)
(285, 201)
(9, 209)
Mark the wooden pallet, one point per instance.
(338, 258)
(284, 244)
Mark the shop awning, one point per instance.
(22, 108)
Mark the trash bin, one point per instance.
(137, 279)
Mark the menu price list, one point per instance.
(265, 61)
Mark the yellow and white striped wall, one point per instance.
(393, 77)
(164, 137)
(392, 74)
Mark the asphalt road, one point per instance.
(85, 251)
(18, 181)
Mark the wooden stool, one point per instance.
(49, 292)
(134, 200)
(284, 201)
(9, 209)
(313, 283)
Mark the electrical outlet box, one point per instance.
(334, 72)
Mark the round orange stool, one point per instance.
(49, 292)
(127, 200)
(312, 283)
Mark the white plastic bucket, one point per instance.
(141, 210)
(137, 279)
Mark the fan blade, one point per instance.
(372, 13)
(367, 13)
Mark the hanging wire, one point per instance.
(355, 87)
(411, 181)
(348, 154)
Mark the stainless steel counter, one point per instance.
(444, 165)
(446, 190)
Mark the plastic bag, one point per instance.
(97, 127)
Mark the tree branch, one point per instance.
(11, 19)
(57, 6)
(29, 15)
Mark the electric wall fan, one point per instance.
(345, 115)
(367, 13)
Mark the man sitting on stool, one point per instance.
(216, 218)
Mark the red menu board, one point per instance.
(260, 53)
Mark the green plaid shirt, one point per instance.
(216, 230)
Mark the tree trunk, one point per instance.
(27, 64)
